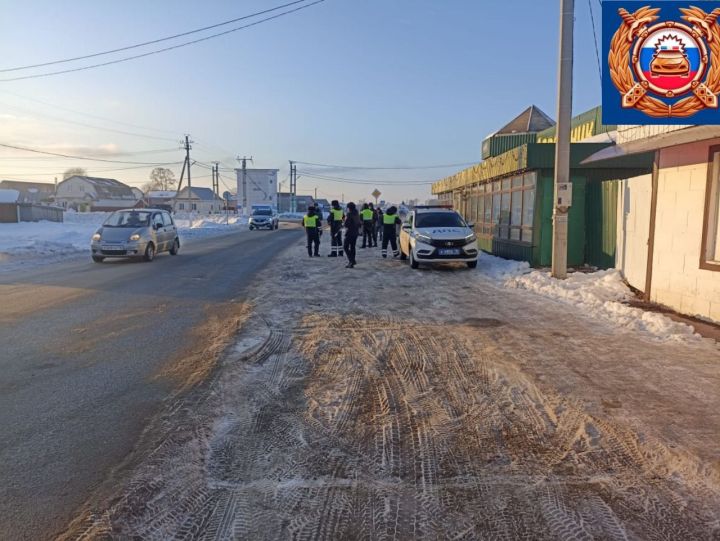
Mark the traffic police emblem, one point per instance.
(667, 69)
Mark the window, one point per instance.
(194, 206)
(157, 220)
(182, 206)
(508, 209)
(167, 219)
(710, 254)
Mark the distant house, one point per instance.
(93, 193)
(302, 202)
(160, 198)
(324, 204)
(31, 192)
(200, 200)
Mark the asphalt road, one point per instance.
(81, 348)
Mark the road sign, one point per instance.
(376, 193)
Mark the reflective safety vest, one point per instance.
(389, 219)
(337, 215)
(367, 215)
(310, 221)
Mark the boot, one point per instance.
(333, 254)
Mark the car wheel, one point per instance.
(251, 228)
(472, 264)
(98, 259)
(175, 247)
(149, 252)
(413, 264)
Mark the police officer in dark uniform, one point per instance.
(390, 221)
(367, 220)
(312, 223)
(353, 224)
(379, 220)
(335, 220)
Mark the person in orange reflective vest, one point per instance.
(335, 220)
(312, 223)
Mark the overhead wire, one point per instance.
(165, 49)
(89, 115)
(61, 155)
(152, 42)
(595, 40)
(383, 168)
(365, 181)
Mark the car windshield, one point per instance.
(439, 219)
(129, 218)
(262, 212)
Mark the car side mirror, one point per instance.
(157, 226)
(471, 226)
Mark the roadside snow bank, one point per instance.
(29, 243)
(598, 294)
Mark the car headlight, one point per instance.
(470, 238)
(135, 237)
(96, 236)
(423, 238)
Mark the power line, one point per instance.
(152, 42)
(113, 130)
(82, 157)
(595, 39)
(157, 51)
(369, 168)
(114, 121)
(367, 181)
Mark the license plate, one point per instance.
(112, 248)
(448, 251)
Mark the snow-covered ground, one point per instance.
(31, 243)
(601, 294)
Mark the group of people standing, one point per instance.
(370, 222)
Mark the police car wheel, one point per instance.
(472, 264)
(413, 263)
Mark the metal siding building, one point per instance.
(510, 199)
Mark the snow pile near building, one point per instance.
(207, 226)
(600, 294)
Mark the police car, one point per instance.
(437, 235)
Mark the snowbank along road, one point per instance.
(380, 403)
(90, 351)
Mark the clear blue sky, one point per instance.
(358, 82)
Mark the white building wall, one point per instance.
(634, 200)
(260, 187)
(678, 281)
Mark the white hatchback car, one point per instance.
(437, 235)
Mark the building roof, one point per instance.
(204, 194)
(23, 186)
(530, 120)
(107, 188)
(161, 194)
(8, 195)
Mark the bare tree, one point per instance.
(161, 179)
(79, 171)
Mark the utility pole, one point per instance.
(243, 161)
(562, 144)
(186, 166)
(293, 186)
(315, 193)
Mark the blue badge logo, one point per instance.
(663, 63)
